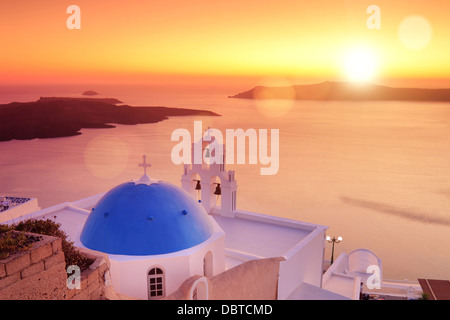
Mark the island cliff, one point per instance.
(51, 117)
(344, 91)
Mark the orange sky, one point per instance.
(139, 40)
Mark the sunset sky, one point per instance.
(146, 40)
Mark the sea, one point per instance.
(376, 173)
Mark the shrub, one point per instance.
(51, 228)
(12, 242)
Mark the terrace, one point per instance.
(12, 207)
(7, 202)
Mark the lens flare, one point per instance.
(274, 97)
(415, 32)
(106, 156)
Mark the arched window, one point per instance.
(155, 280)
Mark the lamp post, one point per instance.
(333, 241)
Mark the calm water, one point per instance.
(376, 173)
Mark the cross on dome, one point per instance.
(145, 165)
(145, 179)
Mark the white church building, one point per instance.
(161, 239)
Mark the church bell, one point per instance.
(218, 191)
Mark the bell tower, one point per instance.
(200, 180)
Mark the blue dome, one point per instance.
(146, 219)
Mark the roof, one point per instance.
(146, 219)
(436, 289)
(265, 239)
(251, 235)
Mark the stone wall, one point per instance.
(39, 273)
(35, 274)
(93, 279)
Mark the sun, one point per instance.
(360, 65)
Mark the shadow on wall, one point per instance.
(252, 280)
